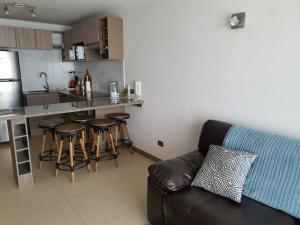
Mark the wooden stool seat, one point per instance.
(83, 118)
(102, 122)
(52, 123)
(118, 116)
(70, 127)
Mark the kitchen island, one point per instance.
(18, 128)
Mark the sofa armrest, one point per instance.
(175, 174)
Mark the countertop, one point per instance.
(76, 106)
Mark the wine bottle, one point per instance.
(87, 82)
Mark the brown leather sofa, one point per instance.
(172, 201)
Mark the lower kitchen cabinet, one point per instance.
(40, 99)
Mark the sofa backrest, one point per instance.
(213, 132)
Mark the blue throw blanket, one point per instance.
(274, 178)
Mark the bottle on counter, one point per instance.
(87, 82)
(77, 84)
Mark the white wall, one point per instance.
(194, 67)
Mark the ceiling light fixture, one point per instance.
(31, 9)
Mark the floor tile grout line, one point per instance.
(118, 213)
(74, 210)
(30, 209)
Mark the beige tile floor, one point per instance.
(113, 196)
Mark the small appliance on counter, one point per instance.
(138, 89)
(77, 52)
(114, 89)
(72, 82)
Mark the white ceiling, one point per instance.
(67, 12)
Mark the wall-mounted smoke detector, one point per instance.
(7, 6)
(237, 20)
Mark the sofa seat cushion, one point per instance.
(195, 206)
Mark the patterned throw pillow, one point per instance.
(224, 172)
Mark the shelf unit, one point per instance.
(111, 38)
(20, 152)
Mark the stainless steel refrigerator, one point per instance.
(11, 93)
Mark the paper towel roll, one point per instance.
(138, 89)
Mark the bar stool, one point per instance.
(102, 127)
(121, 128)
(72, 131)
(84, 119)
(48, 127)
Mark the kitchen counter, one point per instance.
(59, 108)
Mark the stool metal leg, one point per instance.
(128, 137)
(82, 143)
(43, 147)
(94, 141)
(98, 151)
(59, 155)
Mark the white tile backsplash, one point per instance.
(33, 62)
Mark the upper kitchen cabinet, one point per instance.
(77, 33)
(7, 37)
(43, 39)
(67, 39)
(101, 35)
(90, 29)
(17, 37)
(33, 39)
(25, 38)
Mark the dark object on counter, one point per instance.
(172, 201)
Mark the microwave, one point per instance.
(77, 53)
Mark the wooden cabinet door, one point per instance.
(25, 38)
(67, 44)
(115, 38)
(43, 39)
(77, 33)
(7, 37)
(90, 29)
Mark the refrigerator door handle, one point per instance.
(8, 80)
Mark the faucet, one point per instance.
(46, 86)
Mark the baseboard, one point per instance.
(146, 154)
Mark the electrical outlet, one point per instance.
(160, 143)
